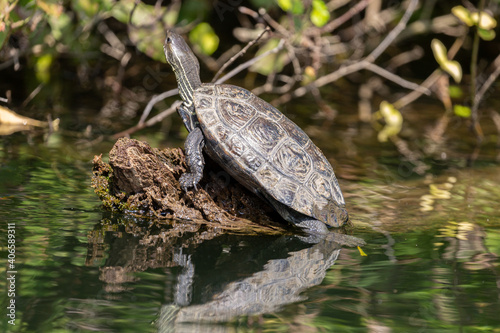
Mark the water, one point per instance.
(431, 259)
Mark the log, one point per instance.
(144, 182)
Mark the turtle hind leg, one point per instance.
(312, 225)
(194, 158)
(309, 224)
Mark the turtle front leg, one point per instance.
(194, 157)
(188, 116)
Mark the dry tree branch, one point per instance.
(487, 84)
(331, 26)
(32, 94)
(412, 96)
(239, 54)
(289, 83)
(395, 78)
(250, 62)
(348, 69)
(227, 54)
(405, 57)
(270, 21)
(394, 32)
(153, 101)
(156, 119)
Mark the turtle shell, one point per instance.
(266, 152)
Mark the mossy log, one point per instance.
(144, 181)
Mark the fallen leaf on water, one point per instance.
(361, 252)
(11, 122)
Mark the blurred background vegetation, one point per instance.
(399, 95)
(96, 64)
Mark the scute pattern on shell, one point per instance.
(266, 151)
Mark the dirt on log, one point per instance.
(144, 181)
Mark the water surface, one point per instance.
(431, 259)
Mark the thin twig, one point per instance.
(412, 96)
(345, 17)
(394, 32)
(476, 127)
(397, 79)
(111, 38)
(352, 68)
(239, 54)
(162, 115)
(277, 26)
(155, 100)
(156, 119)
(32, 94)
(486, 85)
(250, 63)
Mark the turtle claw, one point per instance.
(188, 180)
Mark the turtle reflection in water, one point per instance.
(256, 144)
(280, 282)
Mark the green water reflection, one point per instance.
(432, 254)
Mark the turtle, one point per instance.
(256, 144)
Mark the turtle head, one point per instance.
(184, 63)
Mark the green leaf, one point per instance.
(204, 38)
(463, 14)
(298, 7)
(441, 55)
(293, 6)
(4, 37)
(42, 68)
(286, 5)
(391, 115)
(274, 62)
(319, 14)
(88, 7)
(439, 51)
(453, 68)
(483, 20)
(462, 111)
(308, 76)
(393, 120)
(455, 91)
(50, 7)
(147, 32)
(149, 40)
(486, 35)
(60, 25)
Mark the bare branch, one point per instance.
(32, 94)
(155, 100)
(345, 17)
(429, 82)
(348, 69)
(156, 119)
(487, 84)
(250, 63)
(396, 79)
(239, 54)
(394, 32)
